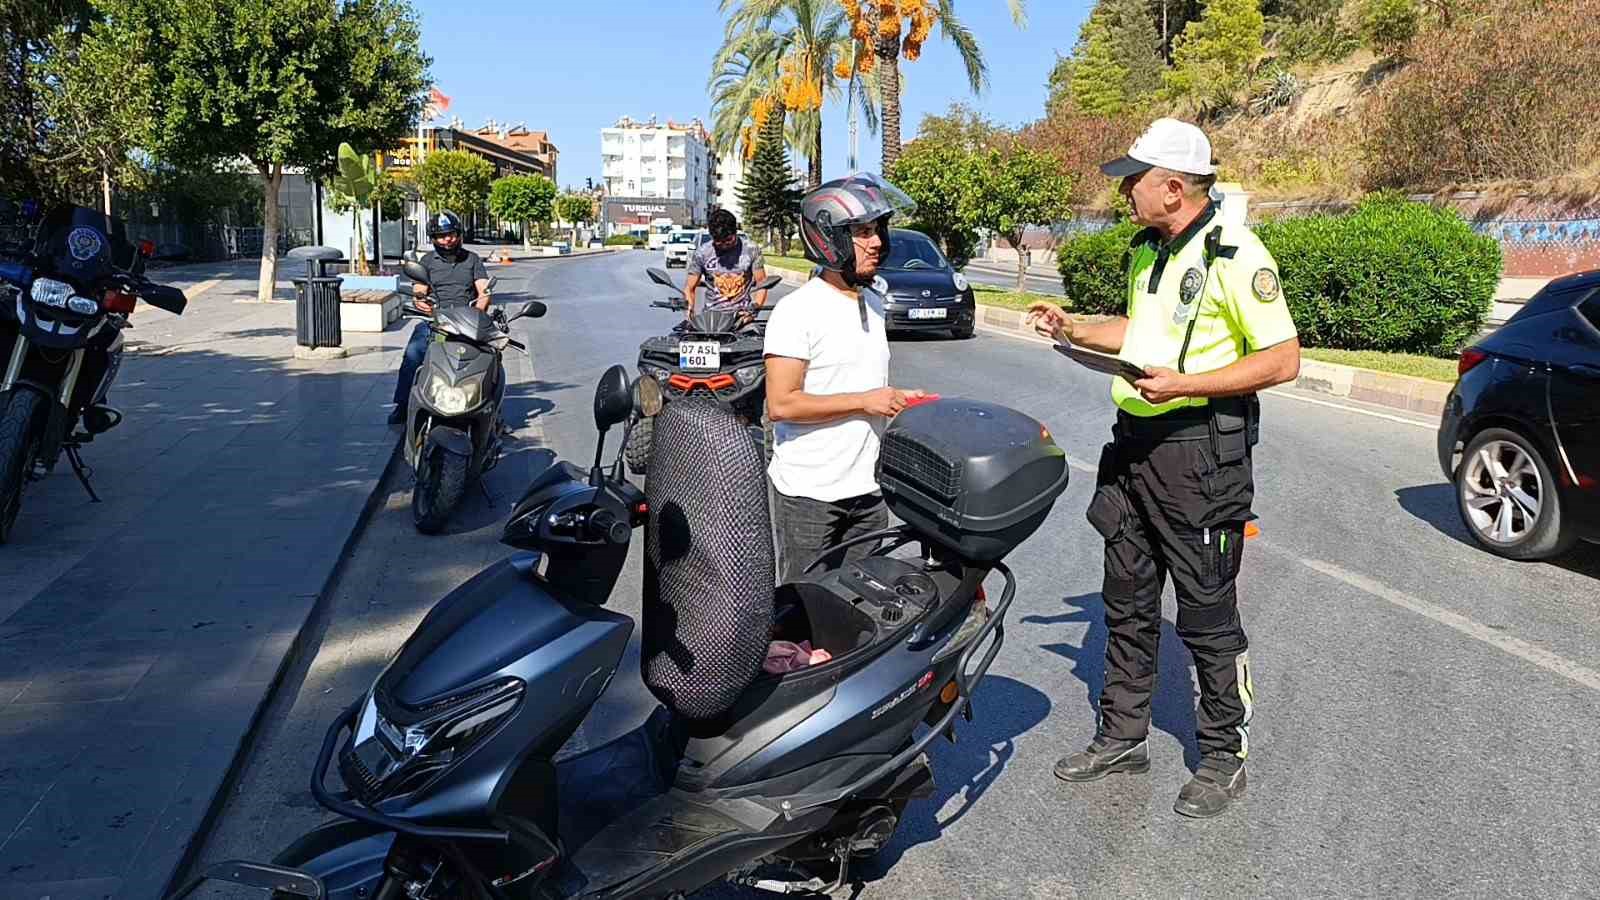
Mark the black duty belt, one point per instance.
(1189, 423)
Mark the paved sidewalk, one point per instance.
(140, 637)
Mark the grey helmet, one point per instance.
(827, 213)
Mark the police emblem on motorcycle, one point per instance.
(84, 244)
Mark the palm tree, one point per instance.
(891, 28)
(791, 52)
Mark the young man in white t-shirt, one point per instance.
(828, 392)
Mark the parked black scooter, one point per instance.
(453, 426)
(61, 321)
(774, 781)
(714, 355)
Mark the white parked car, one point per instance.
(679, 246)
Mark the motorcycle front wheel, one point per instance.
(21, 433)
(441, 481)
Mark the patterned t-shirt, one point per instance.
(728, 273)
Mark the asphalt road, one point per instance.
(1424, 719)
(1004, 275)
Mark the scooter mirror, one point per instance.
(415, 272)
(769, 282)
(647, 399)
(660, 277)
(533, 309)
(613, 401)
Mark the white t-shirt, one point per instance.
(822, 325)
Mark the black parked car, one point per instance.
(1520, 436)
(926, 293)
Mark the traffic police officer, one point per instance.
(1208, 325)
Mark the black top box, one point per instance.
(977, 478)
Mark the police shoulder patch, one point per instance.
(1265, 285)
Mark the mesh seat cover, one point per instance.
(709, 562)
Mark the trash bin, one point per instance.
(316, 298)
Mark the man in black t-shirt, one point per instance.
(456, 277)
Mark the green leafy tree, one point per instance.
(1097, 76)
(27, 33)
(97, 90)
(1213, 58)
(962, 127)
(524, 199)
(575, 210)
(769, 196)
(455, 180)
(280, 83)
(941, 177)
(1388, 26)
(1014, 188)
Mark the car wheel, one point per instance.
(1508, 498)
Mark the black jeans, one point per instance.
(1168, 508)
(807, 527)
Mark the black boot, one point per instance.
(1104, 756)
(1218, 782)
(398, 417)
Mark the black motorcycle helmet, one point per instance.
(442, 223)
(827, 213)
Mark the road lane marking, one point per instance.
(1521, 649)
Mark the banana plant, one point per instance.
(354, 186)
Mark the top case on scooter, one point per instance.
(709, 566)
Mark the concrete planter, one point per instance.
(369, 317)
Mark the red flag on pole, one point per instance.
(437, 104)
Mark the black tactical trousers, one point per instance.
(1166, 507)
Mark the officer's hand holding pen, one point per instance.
(1161, 385)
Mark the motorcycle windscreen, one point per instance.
(709, 562)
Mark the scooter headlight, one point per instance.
(750, 374)
(453, 399)
(387, 758)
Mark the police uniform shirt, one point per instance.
(1190, 316)
(453, 279)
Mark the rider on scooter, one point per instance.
(731, 264)
(457, 277)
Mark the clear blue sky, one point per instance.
(571, 68)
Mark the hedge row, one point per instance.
(1392, 275)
